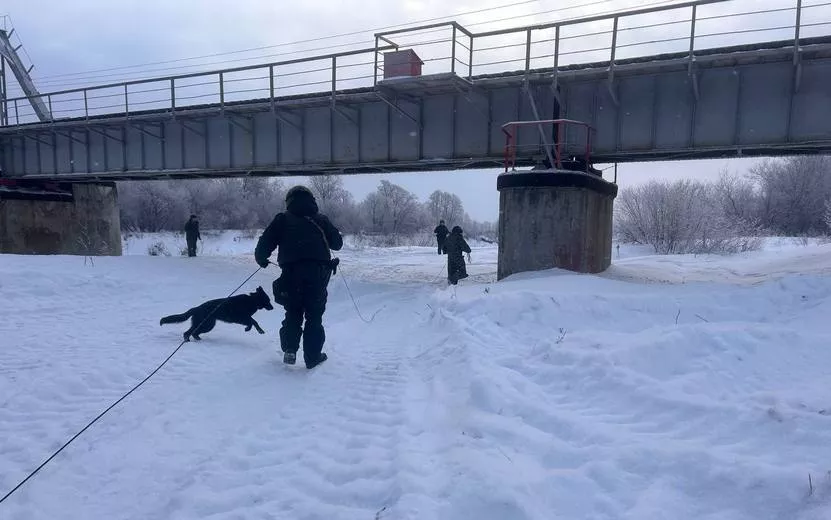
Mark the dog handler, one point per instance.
(304, 237)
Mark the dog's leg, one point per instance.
(256, 326)
(207, 326)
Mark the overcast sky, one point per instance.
(83, 42)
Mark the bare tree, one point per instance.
(681, 217)
(446, 206)
(793, 193)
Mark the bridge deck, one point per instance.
(769, 98)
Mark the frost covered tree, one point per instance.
(393, 210)
(446, 206)
(792, 194)
(681, 217)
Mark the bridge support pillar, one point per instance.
(554, 219)
(87, 224)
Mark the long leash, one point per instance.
(123, 397)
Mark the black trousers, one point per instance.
(306, 284)
(440, 244)
(191, 247)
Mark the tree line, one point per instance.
(251, 203)
(789, 197)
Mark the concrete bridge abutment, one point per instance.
(81, 219)
(554, 219)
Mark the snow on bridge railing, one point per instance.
(657, 27)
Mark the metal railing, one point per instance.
(555, 147)
(658, 27)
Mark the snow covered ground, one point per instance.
(668, 387)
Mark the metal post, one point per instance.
(271, 85)
(615, 173)
(453, 50)
(375, 71)
(4, 104)
(16, 113)
(796, 31)
(126, 103)
(334, 78)
(556, 57)
(528, 51)
(470, 60)
(172, 96)
(221, 93)
(692, 32)
(49, 101)
(614, 42)
(86, 107)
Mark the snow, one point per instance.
(668, 387)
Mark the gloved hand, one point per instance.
(262, 262)
(468, 259)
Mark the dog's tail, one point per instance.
(176, 318)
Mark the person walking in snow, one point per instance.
(454, 247)
(305, 238)
(441, 235)
(192, 234)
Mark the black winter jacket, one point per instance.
(297, 233)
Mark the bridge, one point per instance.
(660, 84)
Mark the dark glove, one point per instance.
(333, 263)
(262, 262)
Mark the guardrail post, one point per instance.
(334, 78)
(556, 79)
(16, 113)
(611, 81)
(527, 51)
(375, 70)
(692, 35)
(271, 85)
(796, 31)
(126, 103)
(49, 101)
(172, 96)
(796, 50)
(86, 107)
(221, 93)
(453, 49)
(470, 59)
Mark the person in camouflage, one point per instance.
(454, 247)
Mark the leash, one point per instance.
(351, 297)
(123, 397)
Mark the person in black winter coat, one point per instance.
(441, 233)
(304, 238)
(192, 234)
(454, 247)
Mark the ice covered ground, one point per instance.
(669, 387)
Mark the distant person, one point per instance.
(455, 246)
(192, 234)
(441, 233)
(304, 238)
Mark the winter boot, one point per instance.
(323, 357)
(289, 358)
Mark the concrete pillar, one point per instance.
(87, 225)
(554, 218)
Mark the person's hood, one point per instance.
(302, 204)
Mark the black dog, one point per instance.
(236, 309)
